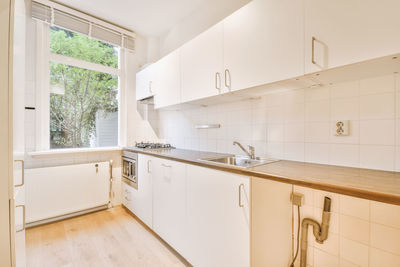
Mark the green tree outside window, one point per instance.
(79, 96)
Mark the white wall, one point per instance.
(299, 125)
(203, 18)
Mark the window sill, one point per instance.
(66, 151)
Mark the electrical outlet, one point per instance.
(297, 199)
(341, 128)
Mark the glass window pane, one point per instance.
(70, 44)
(83, 107)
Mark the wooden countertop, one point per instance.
(383, 186)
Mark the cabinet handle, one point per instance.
(23, 217)
(241, 205)
(217, 81)
(22, 173)
(167, 166)
(312, 50)
(227, 73)
(148, 166)
(150, 90)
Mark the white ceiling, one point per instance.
(147, 17)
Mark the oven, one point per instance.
(130, 168)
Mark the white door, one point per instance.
(144, 83)
(349, 31)
(263, 43)
(218, 206)
(202, 65)
(169, 202)
(271, 223)
(6, 136)
(141, 202)
(167, 83)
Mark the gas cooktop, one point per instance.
(147, 145)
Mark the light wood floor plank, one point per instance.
(102, 239)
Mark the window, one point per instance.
(84, 91)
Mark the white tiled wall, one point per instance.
(362, 232)
(299, 124)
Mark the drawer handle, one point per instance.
(241, 205)
(22, 173)
(23, 217)
(166, 166)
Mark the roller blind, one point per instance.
(82, 25)
(102, 33)
(41, 12)
(70, 22)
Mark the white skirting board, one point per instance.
(58, 191)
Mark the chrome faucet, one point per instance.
(250, 153)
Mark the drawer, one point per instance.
(127, 195)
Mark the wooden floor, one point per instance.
(106, 238)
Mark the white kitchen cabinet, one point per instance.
(140, 200)
(19, 212)
(167, 82)
(202, 65)
(126, 192)
(271, 223)
(218, 223)
(144, 82)
(263, 43)
(169, 202)
(20, 250)
(349, 31)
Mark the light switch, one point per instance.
(341, 128)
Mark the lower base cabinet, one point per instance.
(20, 249)
(169, 202)
(218, 223)
(271, 222)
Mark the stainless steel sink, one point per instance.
(239, 161)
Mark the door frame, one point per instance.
(7, 257)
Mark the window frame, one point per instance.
(42, 90)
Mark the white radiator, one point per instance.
(54, 192)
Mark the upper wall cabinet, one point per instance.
(263, 43)
(167, 83)
(202, 65)
(349, 31)
(144, 82)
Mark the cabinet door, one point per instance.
(167, 84)
(218, 218)
(142, 205)
(169, 203)
(144, 83)
(349, 31)
(263, 43)
(201, 65)
(19, 200)
(271, 223)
